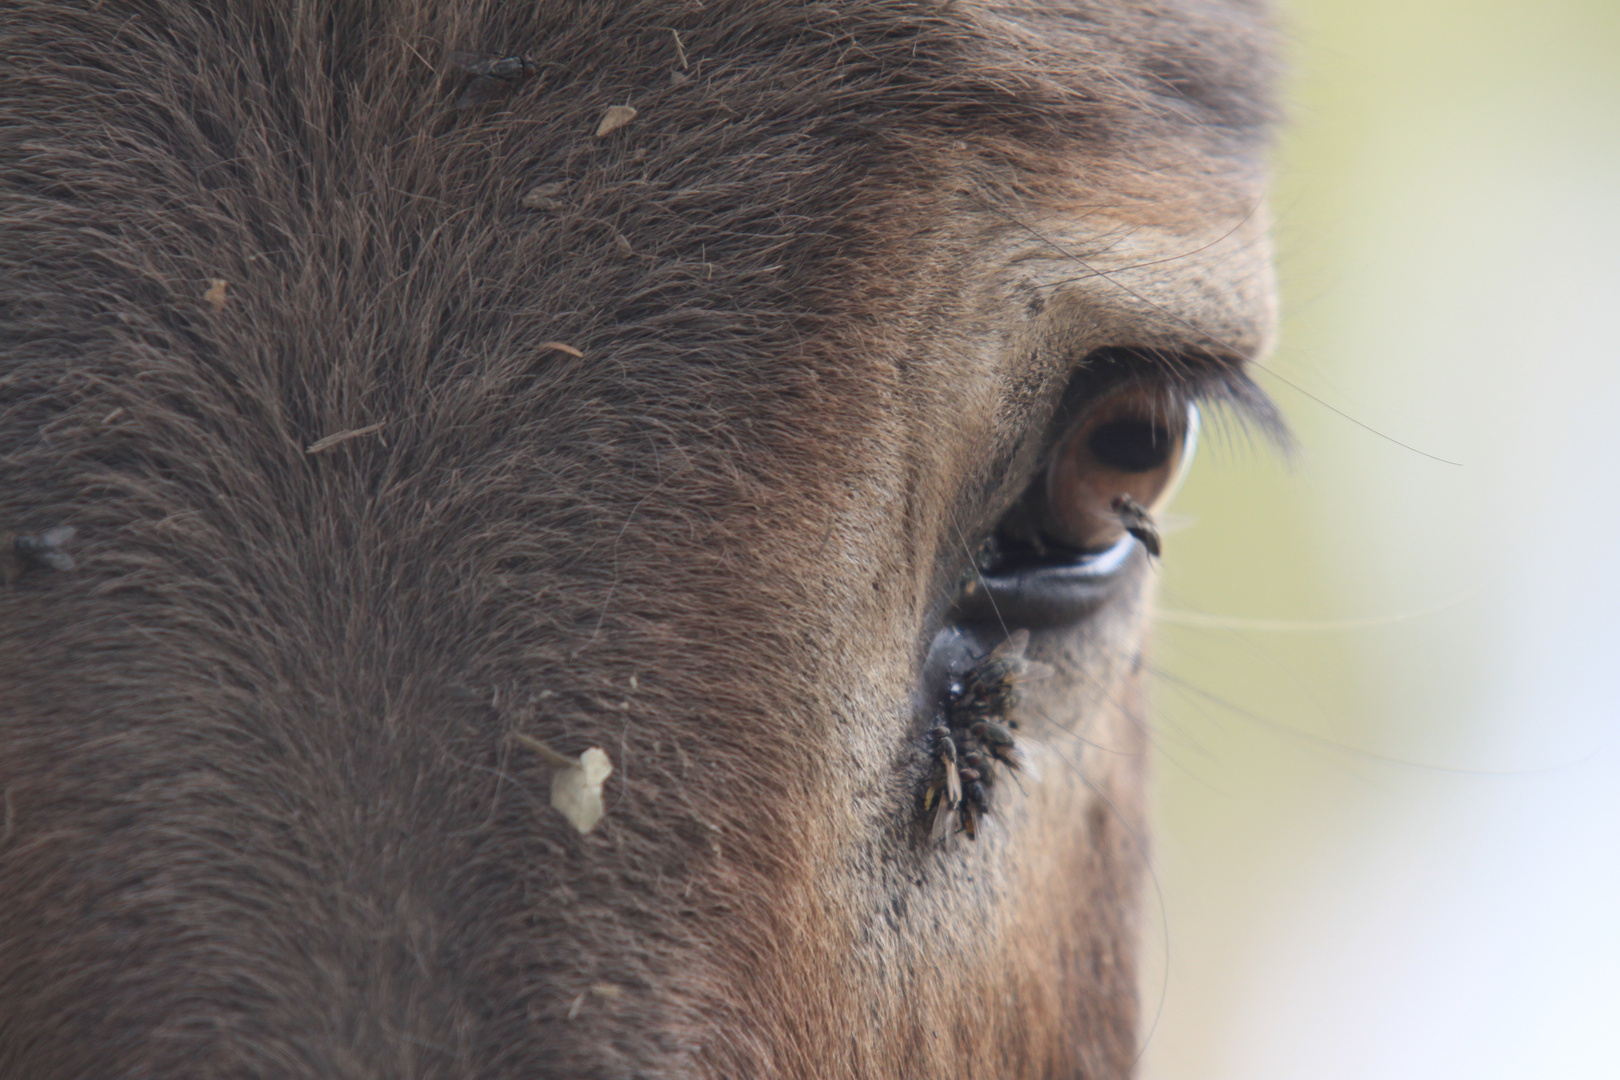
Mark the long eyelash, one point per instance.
(1214, 383)
(1233, 394)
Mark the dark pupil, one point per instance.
(1130, 445)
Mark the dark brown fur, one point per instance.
(263, 816)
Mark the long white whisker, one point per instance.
(1207, 621)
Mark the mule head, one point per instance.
(437, 391)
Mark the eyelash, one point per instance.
(1218, 385)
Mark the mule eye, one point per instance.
(1133, 446)
(1059, 551)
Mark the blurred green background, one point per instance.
(1388, 839)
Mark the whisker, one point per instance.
(1244, 220)
(1148, 730)
(1372, 755)
(1069, 732)
(985, 585)
(1206, 621)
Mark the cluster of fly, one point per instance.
(35, 551)
(972, 739)
(492, 76)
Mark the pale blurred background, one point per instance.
(1388, 840)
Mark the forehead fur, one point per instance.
(788, 166)
(222, 133)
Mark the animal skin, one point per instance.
(687, 431)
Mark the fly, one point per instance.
(972, 740)
(492, 75)
(943, 792)
(1138, 522)
(35, 551)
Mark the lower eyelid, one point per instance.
(1044, 597)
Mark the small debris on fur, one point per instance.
(493, 75)
(615, 118)
(545, 196)
(576, 785)
(320, 445)
(557, 346)
(215, 296)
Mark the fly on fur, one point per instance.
(975, 802)
(942, 793)
(998, 738)
(989, 689)
(23, 552)
(492, 75)
(973, 736)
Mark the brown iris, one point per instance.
(1127, 450)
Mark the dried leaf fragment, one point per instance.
(576, 786)
(342, 437)
(615, 118)
(215, 296)
(576, 793)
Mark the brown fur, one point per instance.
(263, 817)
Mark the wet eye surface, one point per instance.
(1127, 454)
(1087, 514)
